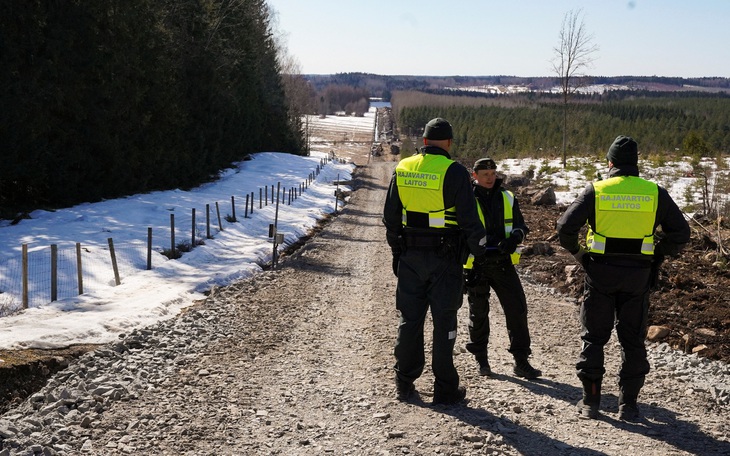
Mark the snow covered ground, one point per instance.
(105, 310)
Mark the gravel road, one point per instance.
(298, 361)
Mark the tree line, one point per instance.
(385, 85)
(105, 99)
(663, 123)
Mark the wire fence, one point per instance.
(49, 280)
(49, 273)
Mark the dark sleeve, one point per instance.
(574, 218)
(460, 195)
(393, 214)
(675, 231)
(518, 221)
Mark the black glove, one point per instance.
(581, 256)
(655, 265)
(508, 245)
(396, 260)
(480, 259)
(470, 278)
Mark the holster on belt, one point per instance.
(445, 244)
(423, 240)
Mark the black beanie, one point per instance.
(623, 151)
(438, 128)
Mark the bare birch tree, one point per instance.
(572, 56)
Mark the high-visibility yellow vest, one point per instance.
(625, 209)
(509, 202)
(420, 180)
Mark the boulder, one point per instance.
(656, 333)
(515, 181)
(542, 248)
(544, 197)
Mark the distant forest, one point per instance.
(106, 99)
(667, 116)
(381, 86)
(663, 123)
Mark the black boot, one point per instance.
(525, 370)
(483, 361)
(404, 391)
(628, 409)
(451, 398)
(588, 406)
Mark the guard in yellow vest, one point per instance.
(431, 225)
(506, 229)
(621, 256)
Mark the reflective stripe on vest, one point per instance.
(625, 209)
(509, 201)
(420, 186)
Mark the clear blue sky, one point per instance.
(686, 38)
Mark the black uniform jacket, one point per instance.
(456, 193)
(675, 230)
(492, 204)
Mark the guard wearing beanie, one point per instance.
(431, 224)
(621, 259)
(438, 129)
(623, 151)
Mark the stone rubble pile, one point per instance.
(696, 374)
(57, 419)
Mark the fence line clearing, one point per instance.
(50, 273)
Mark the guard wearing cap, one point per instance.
(431, 224)
(620, 258)
(500, 213)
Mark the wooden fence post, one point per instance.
(113, 254)
(192, 233)
(149, 248)
(233, 208)
(79, 270)
(25, 276)
(337, 191)
(172, 235)
(207, 221)
(218, 211)
(54, 272)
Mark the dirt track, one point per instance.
(298, 361)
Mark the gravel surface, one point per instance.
(298, 361)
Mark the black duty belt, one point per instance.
(428, 240)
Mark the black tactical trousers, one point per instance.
(428, 278)
(498, 275)
(615, 296)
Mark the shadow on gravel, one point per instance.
(542, 386)
(524, 440)
(664, 425)
(361, 180)
(657, 423)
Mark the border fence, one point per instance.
(49, 273)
